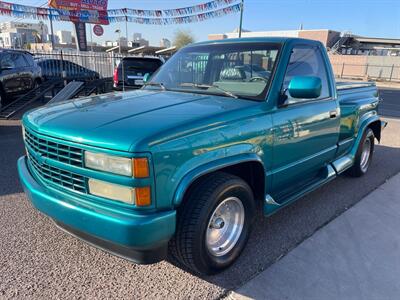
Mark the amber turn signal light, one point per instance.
(143, 196)
(141, 167)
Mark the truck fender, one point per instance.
(364, 125)
(210, 167)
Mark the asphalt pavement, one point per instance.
(39, 261)
(356, 256)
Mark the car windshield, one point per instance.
(238, 70)
(141, 65)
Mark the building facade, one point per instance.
(18, 35)
(64, 37)
(165, 43)
(336, 42)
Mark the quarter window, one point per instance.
(307, 61)
(19, 60)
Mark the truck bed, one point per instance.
(345, 85)
(355, 99)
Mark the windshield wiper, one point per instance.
(207, 86)
(160, 84)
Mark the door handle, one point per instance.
(333, 114)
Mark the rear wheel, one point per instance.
(214, 223)
(364, 154)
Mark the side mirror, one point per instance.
(305, 87)
(146, 77)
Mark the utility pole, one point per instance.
(126, 28)
(91, 36)
(51, 30)
(119, 39)
(241, 18)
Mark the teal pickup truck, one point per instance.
(180, 167)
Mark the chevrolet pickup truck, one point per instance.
(180, 167)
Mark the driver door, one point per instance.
(306, 131)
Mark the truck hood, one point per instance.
(130, 121)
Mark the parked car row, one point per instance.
(21, 71)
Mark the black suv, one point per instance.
(131, 70)
(19, 73)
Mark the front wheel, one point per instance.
(364, 154)
(214, 223)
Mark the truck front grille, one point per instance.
(54, 150)
(39, 146)
(60, 177)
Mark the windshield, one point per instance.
(228, 69)
(141, 65)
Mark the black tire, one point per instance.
(360, 167)
(36, 83)
(3, 98)
(188, 246)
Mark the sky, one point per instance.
(379, 18)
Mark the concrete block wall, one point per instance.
(362, 66)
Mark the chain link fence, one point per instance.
(367, 71)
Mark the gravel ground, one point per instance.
(39, 261)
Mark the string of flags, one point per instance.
(196, 13)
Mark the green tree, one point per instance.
(183, 38)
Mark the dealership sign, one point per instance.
(98, 30)
(86, 11)
(79, 4)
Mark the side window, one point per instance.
(307, 61)
(29, 59)
(19, 60)
(7, 61)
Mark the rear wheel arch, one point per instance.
(376, 129)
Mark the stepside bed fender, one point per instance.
(372, 121)
(210, 167)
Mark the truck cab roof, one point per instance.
(280, 40)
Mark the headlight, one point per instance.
(108, 163)
(112, 191)
(136, 167)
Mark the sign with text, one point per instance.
(79, 4)
(87, 11)
(80, 29)
(98, 30)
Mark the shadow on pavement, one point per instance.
(11, 148)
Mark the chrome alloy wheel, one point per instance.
(365, 155)
(225, 226)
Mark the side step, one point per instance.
(271, 206)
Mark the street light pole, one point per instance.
(51, 30)
(241, 18)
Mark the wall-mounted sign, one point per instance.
(98, 30)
